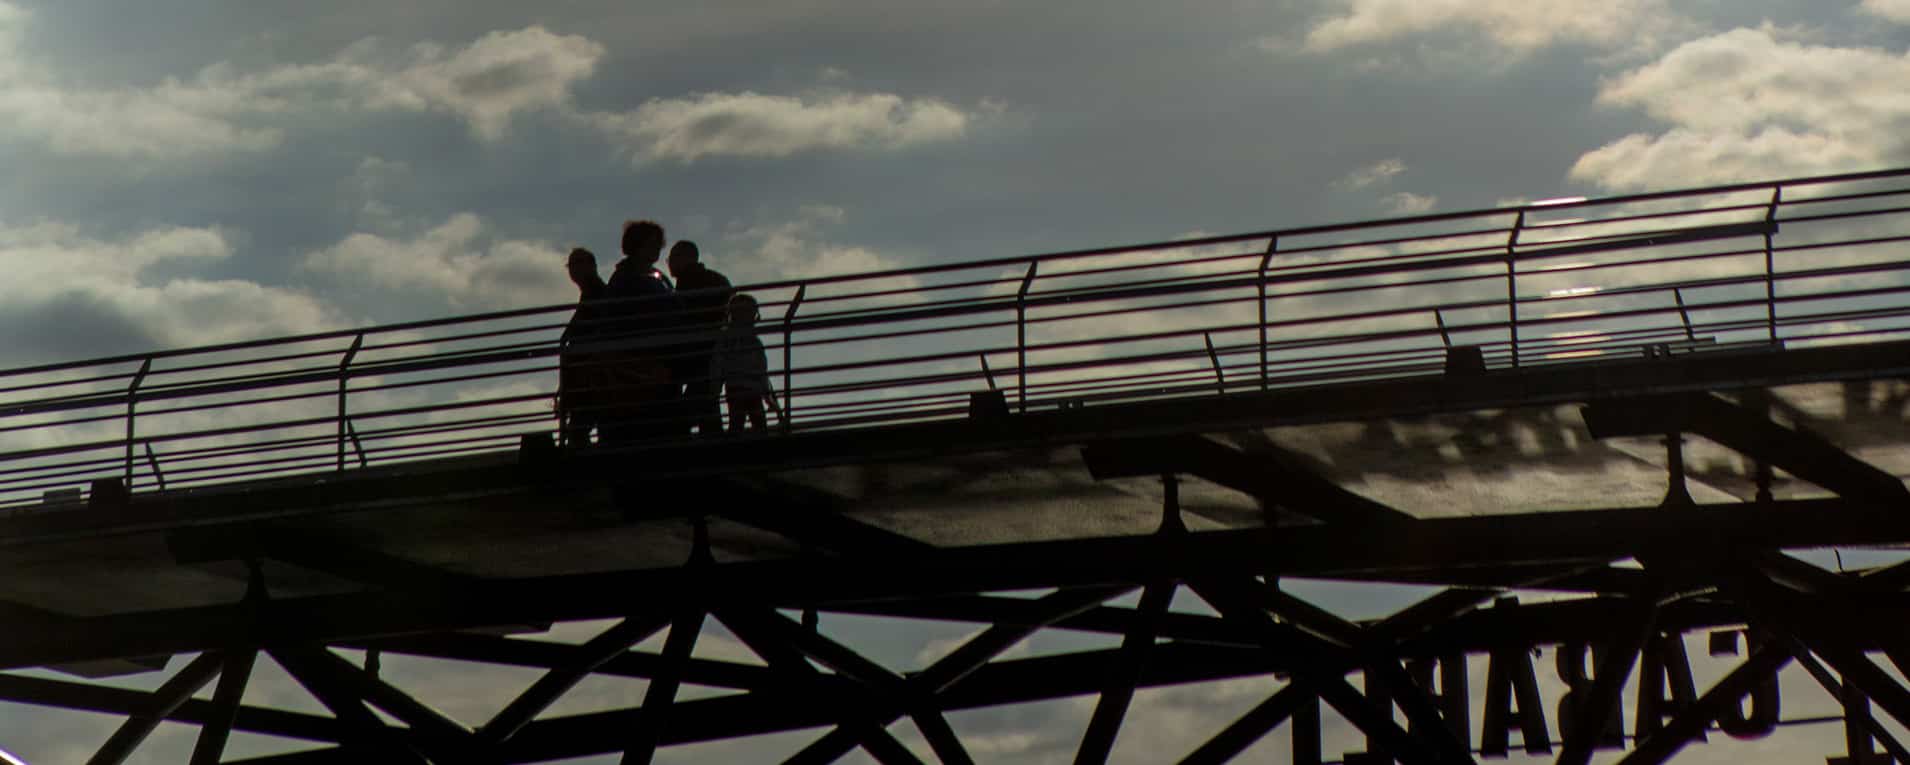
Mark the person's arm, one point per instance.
(591, 288)
(769, 397)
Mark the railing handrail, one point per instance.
(1019, 260)
(1329, 309)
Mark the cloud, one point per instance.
(1408, 203)
(751, 124)
(494, 78)
(1747, 104)
(105, 296)
(1378, 172)
(486, 83)
(454, 262)
(169, 118)
(1510, 24)
(794, 248)
(1894, 10)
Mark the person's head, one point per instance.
(683, 257)
(581, 265)
(643, 240)
(743, 310)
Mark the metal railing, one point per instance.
(1753, 267)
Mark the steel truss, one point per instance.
(1697, 567)
(1831, 623)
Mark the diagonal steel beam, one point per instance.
(1257, 722)
(969, 657)
(829, 698)
(441, 731)
(549, 655)
(884, 685)
(1824, 678)
(1594, 710)
(1440, 607)
(1243, 732)
(1802, 454)
(759, 633)
(1098, 741)
(1589, 536)
(367, 736)
(235, 668)
(598, 651)
(1729, 690)
(1410, 697)
(1832, 641)
(162, 704)
(1010, 613)
(121, 701)
(661, 694)
(1322, 666)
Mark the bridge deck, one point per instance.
(1480, 400)
(1508, 442)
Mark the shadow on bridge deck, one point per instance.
(1501, 443)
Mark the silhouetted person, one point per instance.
(641, 305)
(582, 381)
(704, 294)
(743, 368)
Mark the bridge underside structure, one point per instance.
(1597, 508)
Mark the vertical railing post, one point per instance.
(1770, 264)
(1266, 261)
(132, 402)
(152, 462)
(1220, 377)
(1684, 314)
(357, 446)
(789, 342)
(344, 380)
(1512, 284)
(1021, 336)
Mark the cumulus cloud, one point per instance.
(494, 78)
(486, 84)
(1512, 24)
(455, 262)
(1750, 104)
(1408, 203)
(798, 247)
(1378, 172)
(171, 117)
(104, 297)
(1894, 10)
(751, 124)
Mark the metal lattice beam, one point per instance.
(164, 702)
(1590, 537)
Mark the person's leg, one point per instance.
(735, 401)
(754, 408)
(699, 399)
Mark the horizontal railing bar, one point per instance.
(1696, 212)
(1395, 337)
(1019, 260)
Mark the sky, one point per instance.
(195, 171)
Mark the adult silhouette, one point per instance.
(641, 305)
(704, 294)
(582, 379)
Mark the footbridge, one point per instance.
(1594, 430)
